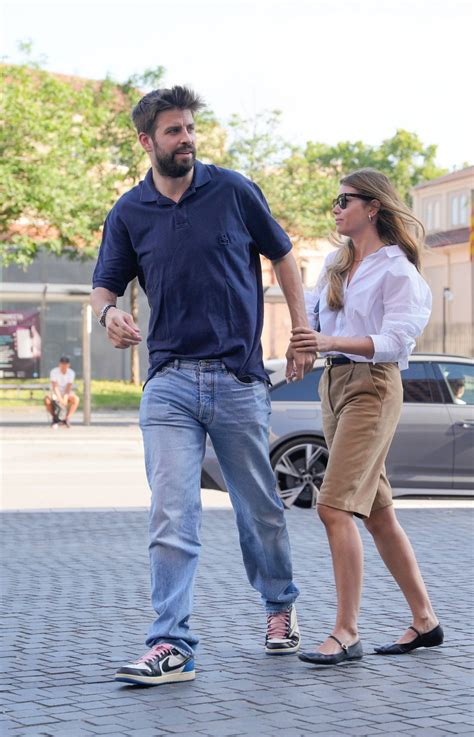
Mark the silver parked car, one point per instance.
(432, 451)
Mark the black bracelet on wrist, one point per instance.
(103, 314)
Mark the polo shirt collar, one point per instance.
(149, 193)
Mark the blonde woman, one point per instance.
(371, 303)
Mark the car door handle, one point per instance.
(465, 423)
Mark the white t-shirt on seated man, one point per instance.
(62, 379)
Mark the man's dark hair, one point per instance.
(145, 113)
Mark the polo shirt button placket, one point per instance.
(181, 216)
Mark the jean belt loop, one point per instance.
(176, 363)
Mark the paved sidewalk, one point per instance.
(100, 466)
(97, 466)
(77, 606)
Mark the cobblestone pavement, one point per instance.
(77, 606)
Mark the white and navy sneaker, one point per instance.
(162, 664)
(283, 635)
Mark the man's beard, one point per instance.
(167, 164)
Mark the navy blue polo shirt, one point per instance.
(198, 263)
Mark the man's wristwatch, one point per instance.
(103, 314)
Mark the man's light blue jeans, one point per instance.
(180, 405)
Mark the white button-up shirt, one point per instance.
(387, 300)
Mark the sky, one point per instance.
(339, 70)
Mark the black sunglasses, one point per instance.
(341, 200)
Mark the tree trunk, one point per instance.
(135, 356)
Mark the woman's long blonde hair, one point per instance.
(395, 223)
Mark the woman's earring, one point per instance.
(370, 218)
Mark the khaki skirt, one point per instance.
(361, 405)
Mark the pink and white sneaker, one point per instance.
(283, 635)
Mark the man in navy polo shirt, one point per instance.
(193, 234)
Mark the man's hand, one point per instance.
(305, 339)
(298, 364)
(121, 329)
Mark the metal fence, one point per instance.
(456, 338)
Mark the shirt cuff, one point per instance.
(388, 350)
(117, 289)
(283, 252)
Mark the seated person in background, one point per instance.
(61, 393)
(457, 384)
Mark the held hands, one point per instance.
(121, 329)
(305, 339)
(298, 364)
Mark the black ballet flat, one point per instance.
(429, 639)
(348, 652)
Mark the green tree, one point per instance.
(63, 162)
(258, 150)
(403, 158)
(313, 175)
(68, 149)
(300, 183)
(256, 147)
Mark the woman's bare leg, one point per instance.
(397, 553)
(348, 563)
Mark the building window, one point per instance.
(464, 209)
(429, 216)
(459, 209)
(455, 210)
(432, 214)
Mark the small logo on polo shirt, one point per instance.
(223, 239)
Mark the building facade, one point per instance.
(445, 207)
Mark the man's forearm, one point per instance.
(289, 279)
(101, 297)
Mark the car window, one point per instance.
(419, 384)
(305, 390)
(458, 380)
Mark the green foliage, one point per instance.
(68, 149)
(65, 157)
(300, 183)
(211, 140)
(403, 158)
(115, 395)
(256, 147)
(297, 192)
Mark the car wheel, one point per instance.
(299, 466)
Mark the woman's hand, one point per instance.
(305, 339)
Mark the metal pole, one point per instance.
(134, 354)
(86, 360)
(444, 320)
(43, 311)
